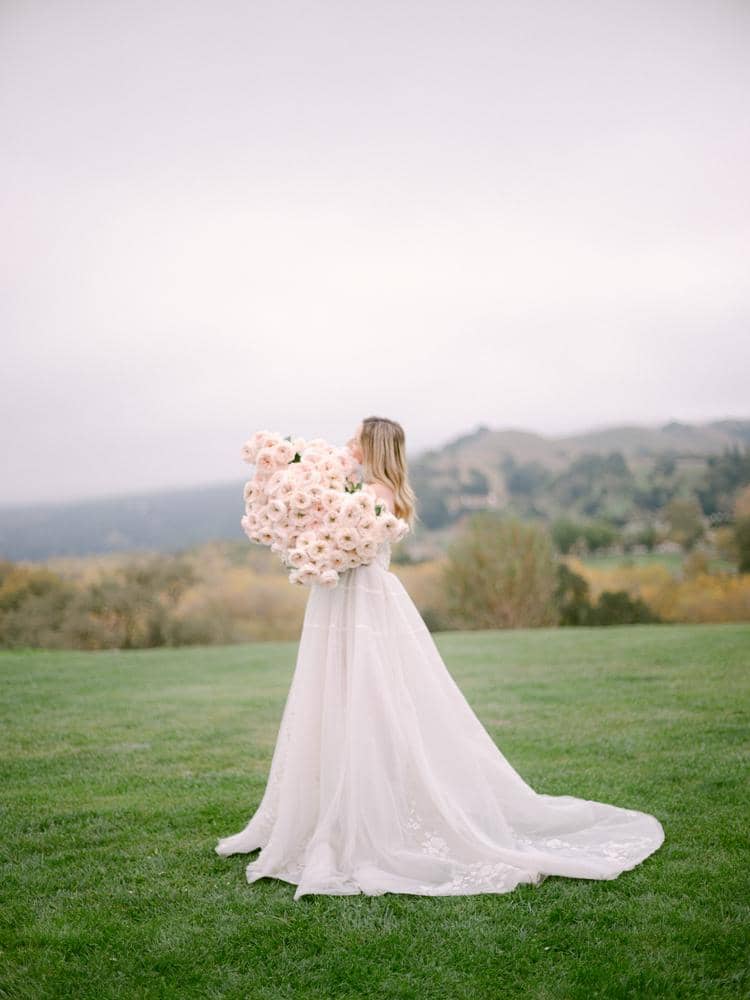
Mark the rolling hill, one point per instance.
(618, 472)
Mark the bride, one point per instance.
(383, 779)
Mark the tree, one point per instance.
(526, 479)
(500, 573)
(34, 603)
(591, 480)
(565, 532)
(742, 529)
(685, 519)
(599, 535)
(136, 602)
(572, 596)
(477, 484)
(647, 536)
(725, 474)
(614, 607)
(666, 464)
(617, 607)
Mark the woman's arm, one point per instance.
(382, 492)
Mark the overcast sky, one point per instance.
(221, 217)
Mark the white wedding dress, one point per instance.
(383, 779)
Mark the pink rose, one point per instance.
(347, 538)
(328, 578)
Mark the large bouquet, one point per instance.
(307, 503)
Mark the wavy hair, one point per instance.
(383, 445)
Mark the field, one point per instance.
(121, 770)
(674, 562)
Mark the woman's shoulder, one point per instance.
(381, 491)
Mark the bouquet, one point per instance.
(307, 503)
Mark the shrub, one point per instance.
(613, 607)
(617, 607)
(572, 597)
(500, 573)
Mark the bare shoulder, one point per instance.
(383, 492)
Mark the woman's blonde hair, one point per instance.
(383, 444)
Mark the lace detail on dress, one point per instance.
(486, 876)
(429, 841)
(620, 850)
(468, 878)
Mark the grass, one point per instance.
(120, 771)
(672, 561)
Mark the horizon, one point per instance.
(147, 491)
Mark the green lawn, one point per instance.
(120, 771)
(672, 561)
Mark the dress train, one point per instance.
(383, 779)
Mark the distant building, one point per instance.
(668, 546)
(471, 501)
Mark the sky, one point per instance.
(222, 217)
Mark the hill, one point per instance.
(619, 473)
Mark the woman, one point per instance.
(383, 779)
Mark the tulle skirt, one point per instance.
(383, 779)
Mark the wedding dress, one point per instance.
(383, 779)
